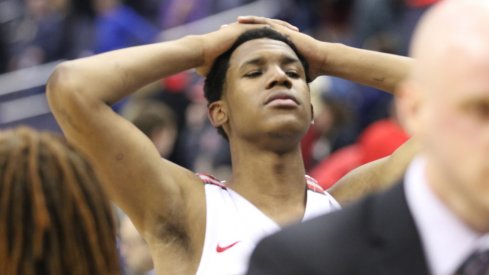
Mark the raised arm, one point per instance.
(80, 93)
(379, 70)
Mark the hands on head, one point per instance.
(218, 42)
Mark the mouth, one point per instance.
(281, 99)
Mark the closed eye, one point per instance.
(292, 74)
(253, 74)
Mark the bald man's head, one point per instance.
(445, 103)
(449, 33)
(450, 46)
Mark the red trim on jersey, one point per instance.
(208, 179)
(312, 184)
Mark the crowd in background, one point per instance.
(353, 124)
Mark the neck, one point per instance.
(273, 182)
(457, 199)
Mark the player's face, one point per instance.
(266, 91)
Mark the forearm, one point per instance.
(358, 183)
(374, 176)
(380, 70)
(111, 76)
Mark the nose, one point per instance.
(279, 78)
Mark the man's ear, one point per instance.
(408, 104)
(217, 113)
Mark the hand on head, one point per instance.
(218, 42)
(306, 45)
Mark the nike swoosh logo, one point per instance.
(221, 249)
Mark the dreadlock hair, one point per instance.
(54, 216)
(215, 80)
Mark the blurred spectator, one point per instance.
(331, 129)
(298, 13)
(175, 91)
(174, 94)
(222, 5)
(135, 250)
(334, 20)
(36, 35)
(178, 12)
(371, 17)
(3, 51)
(55, 218)
(149, 9)
(198, 146)
(366, 104)
(328, 20)
(395, 18)
(203, 148)
(4, 18)
(118, 26)
(39, 31)
(210, 151)
(157, 121)
(378, 140)
(168, 13)
(415, 9)
(78, 29)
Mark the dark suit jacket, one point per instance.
(376, 236)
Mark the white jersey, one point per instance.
(234, 226)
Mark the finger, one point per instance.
(223, 26)
(285, 24)
(250, 19)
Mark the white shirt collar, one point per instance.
(446, 240)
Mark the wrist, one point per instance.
(196, 43)
(331, 58)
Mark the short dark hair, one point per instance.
(214, 83)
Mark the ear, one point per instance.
(408, 106)
(217, 113)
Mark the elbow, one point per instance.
(56, 86)
(62, 87)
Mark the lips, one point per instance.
(281, 98)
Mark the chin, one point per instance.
(289, 126)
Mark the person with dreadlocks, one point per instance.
(258, 93)
(54, 216)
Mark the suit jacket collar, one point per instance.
(394, 236)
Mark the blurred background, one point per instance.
(353, 125)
